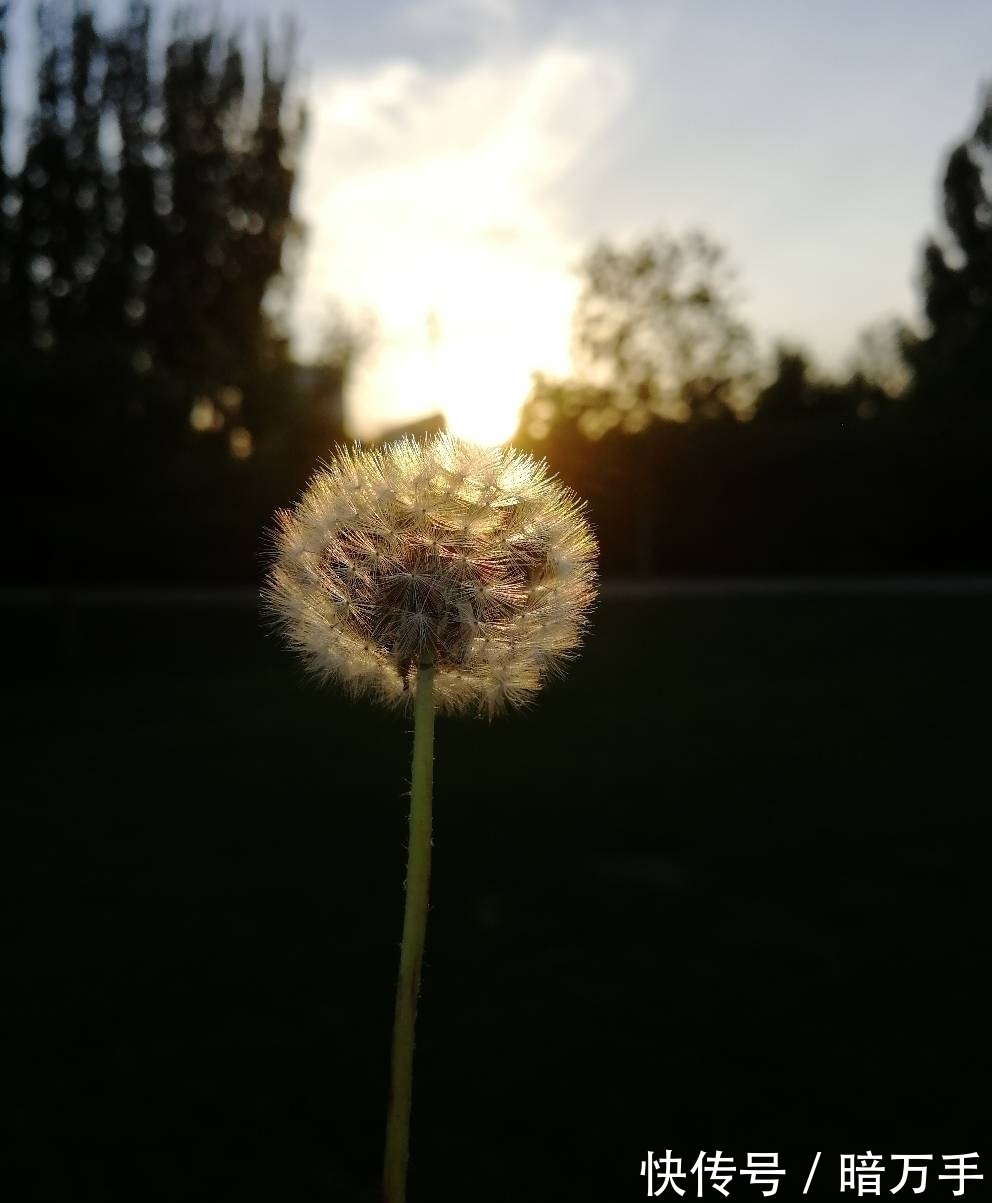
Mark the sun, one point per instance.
(470, 357)
(463, 330)
(435, 201)
(489, 427)
(477, 382)
(464, 318)
(480, 386)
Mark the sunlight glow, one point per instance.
(481, 420)
(478, 381)
(471, 356)
(480, 405)
(430, 206)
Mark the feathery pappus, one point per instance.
(474, 560)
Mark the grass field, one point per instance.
(725, 887)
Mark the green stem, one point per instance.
(412, 950)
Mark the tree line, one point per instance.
(155, 417)
(698, 459)
(152, 408)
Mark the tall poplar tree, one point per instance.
(142, 240)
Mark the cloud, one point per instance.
(427, 193)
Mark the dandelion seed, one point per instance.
(428, 554)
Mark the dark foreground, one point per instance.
(726, 888)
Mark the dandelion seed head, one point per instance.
(473, 560)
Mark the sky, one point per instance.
(463, 155)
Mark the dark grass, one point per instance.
(724, 888)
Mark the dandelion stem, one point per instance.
(412, 949)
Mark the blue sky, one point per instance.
(464, 153)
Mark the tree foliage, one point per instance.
(874, 383)
(829, 473)
(657, 328)
(144, 241)
(154, 201)
(881, 357)
(954, 360)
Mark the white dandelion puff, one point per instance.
(472, 561)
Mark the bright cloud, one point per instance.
(430, 201)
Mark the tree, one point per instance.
(142, 242)
(798, 392)
(169, 246)
(880, 358)
(954, 358)
(789, 393)
(660, 352)
(4, 12)
(657, 333)
(8, 199)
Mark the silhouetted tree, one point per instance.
(9, 201)
(142, 240)
(5, 198)
(659, 349)
(798, 392)
(954, 359)
(656, 327)
(4, 10)
(789, 392)
(881, 357)
(849, 473)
